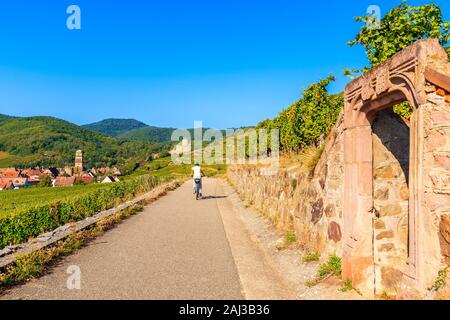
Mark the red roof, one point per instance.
(9, 173)
(32, 172)
(85, 178)
(64, 181)
(6, 185)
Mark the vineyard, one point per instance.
(308, 120)
(29, 213)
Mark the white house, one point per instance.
(110, 179)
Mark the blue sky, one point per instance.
(228, 63)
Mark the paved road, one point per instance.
(175, 249)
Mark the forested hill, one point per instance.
(49, 141)
(131, 130)
(115, 127)
(150, 134)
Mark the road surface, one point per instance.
(175, 249)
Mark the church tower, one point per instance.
(79, 161)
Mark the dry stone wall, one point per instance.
(309, 204)
(437, 165)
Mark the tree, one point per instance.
(399, 28)
(45, 182)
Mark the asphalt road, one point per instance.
(175, 249)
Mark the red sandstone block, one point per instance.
(442, 160)
(440, 92)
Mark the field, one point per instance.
(21, 200)
(166, 168)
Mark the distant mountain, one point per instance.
(49, 141)
(155, 134)
(4, 117)
(115, 127)
(149, 134)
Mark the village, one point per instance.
(14, 178)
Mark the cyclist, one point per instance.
(198, 174)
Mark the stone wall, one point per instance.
(436, 116)
(391, 195)
(309, 204)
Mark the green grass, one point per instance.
(164, 167)
(311, 257)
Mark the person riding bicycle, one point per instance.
(198, 174)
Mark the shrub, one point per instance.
(45, 182)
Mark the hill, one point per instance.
(115, 127)
(156, 135)
(149, 134)
(49, 141)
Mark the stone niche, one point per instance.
(391, 196)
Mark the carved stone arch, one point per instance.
(407, 76)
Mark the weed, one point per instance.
(347, 286)
(294, 183)
(441, 280)
(331, 268)
(312, 283)
(311, 257)
(290, 238)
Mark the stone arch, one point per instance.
(409, 76)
